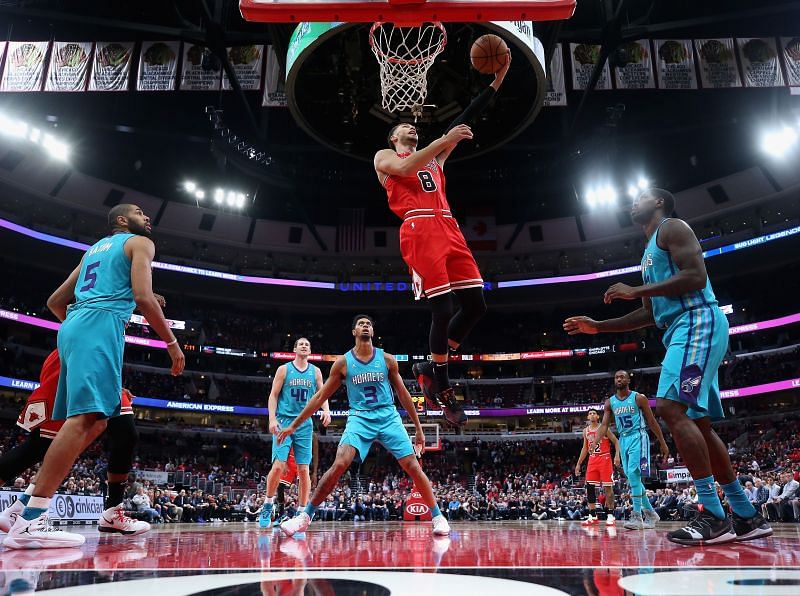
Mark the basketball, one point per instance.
(488, 54)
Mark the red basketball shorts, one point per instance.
(290, 473)
(437, 255)
(599, 471)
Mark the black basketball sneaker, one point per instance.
(445, 399)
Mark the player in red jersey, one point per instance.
(599, 472)
(432, 244)
(36, 419)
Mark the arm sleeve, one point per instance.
(474, 108)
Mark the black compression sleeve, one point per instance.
(473, 109)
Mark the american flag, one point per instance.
(350, 233)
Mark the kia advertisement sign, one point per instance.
(416, 509)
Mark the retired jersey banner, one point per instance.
(69, 66)
(111, 67)
(718, 68)
(675, 64)
(246, 62)
(24, 69)
(761, 66)
(201, 69)
(556, 94)
(274, 89)
(158, 66)
(634, 66)
(584, 56)
(790, 48)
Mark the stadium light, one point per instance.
(14, 127)
(219, 195)
(200, 194)
(778, 142)
(633, 191)
(643, 183)
(222, 197)
(189, 186)
(55, 148)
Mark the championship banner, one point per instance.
(675, 64)
(158, 66)
(274, 88)
(718, 68)
(24, 69)
(111, 66)
(634, 66)
(69, 66)
(760, 64)
(246, 62)
(556, 94)
(584, 56)
(790, 48)
(2, 52)
(201, 69)
(67, 508)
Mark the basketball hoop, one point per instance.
(404, 54)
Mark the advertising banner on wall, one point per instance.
(67, 508)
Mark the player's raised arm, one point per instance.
(388, 162)
(338, 370)
(64, 295)
(272, 402)
(326, 407)
(637, 319)
(404, 397)
(476, 107)
(644, 406)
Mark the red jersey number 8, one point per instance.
(427, 181)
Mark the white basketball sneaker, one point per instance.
(9, 515)
(440, 526)
(115, 521)
(38, 533)
(611, 520)
(299, 523)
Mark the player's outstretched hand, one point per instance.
(326, 418)
(578, 325)
(619, 292)
(577, 469)
(274, 427)
(286, 432)
(459, 133)
(501, 74)
(617, 460)
(178, 359)
(162, 302)
(419, 442)
(665, 451)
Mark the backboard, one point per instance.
(432, 440)
(405, 11)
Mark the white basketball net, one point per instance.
(405, 54)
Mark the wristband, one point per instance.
(172, 343)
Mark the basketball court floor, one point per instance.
(486, 558)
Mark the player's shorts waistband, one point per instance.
(415, 213)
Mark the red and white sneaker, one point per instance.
(298, 523)
(611, 520)
(590, 521)
(9, 515)
(115, 521)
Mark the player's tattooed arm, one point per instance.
(64, 295)
(338, 371)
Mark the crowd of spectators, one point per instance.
(222, 479)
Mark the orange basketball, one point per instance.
(488, 54)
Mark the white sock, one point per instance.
(39, 503)
(269, 500)
(30, 489)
